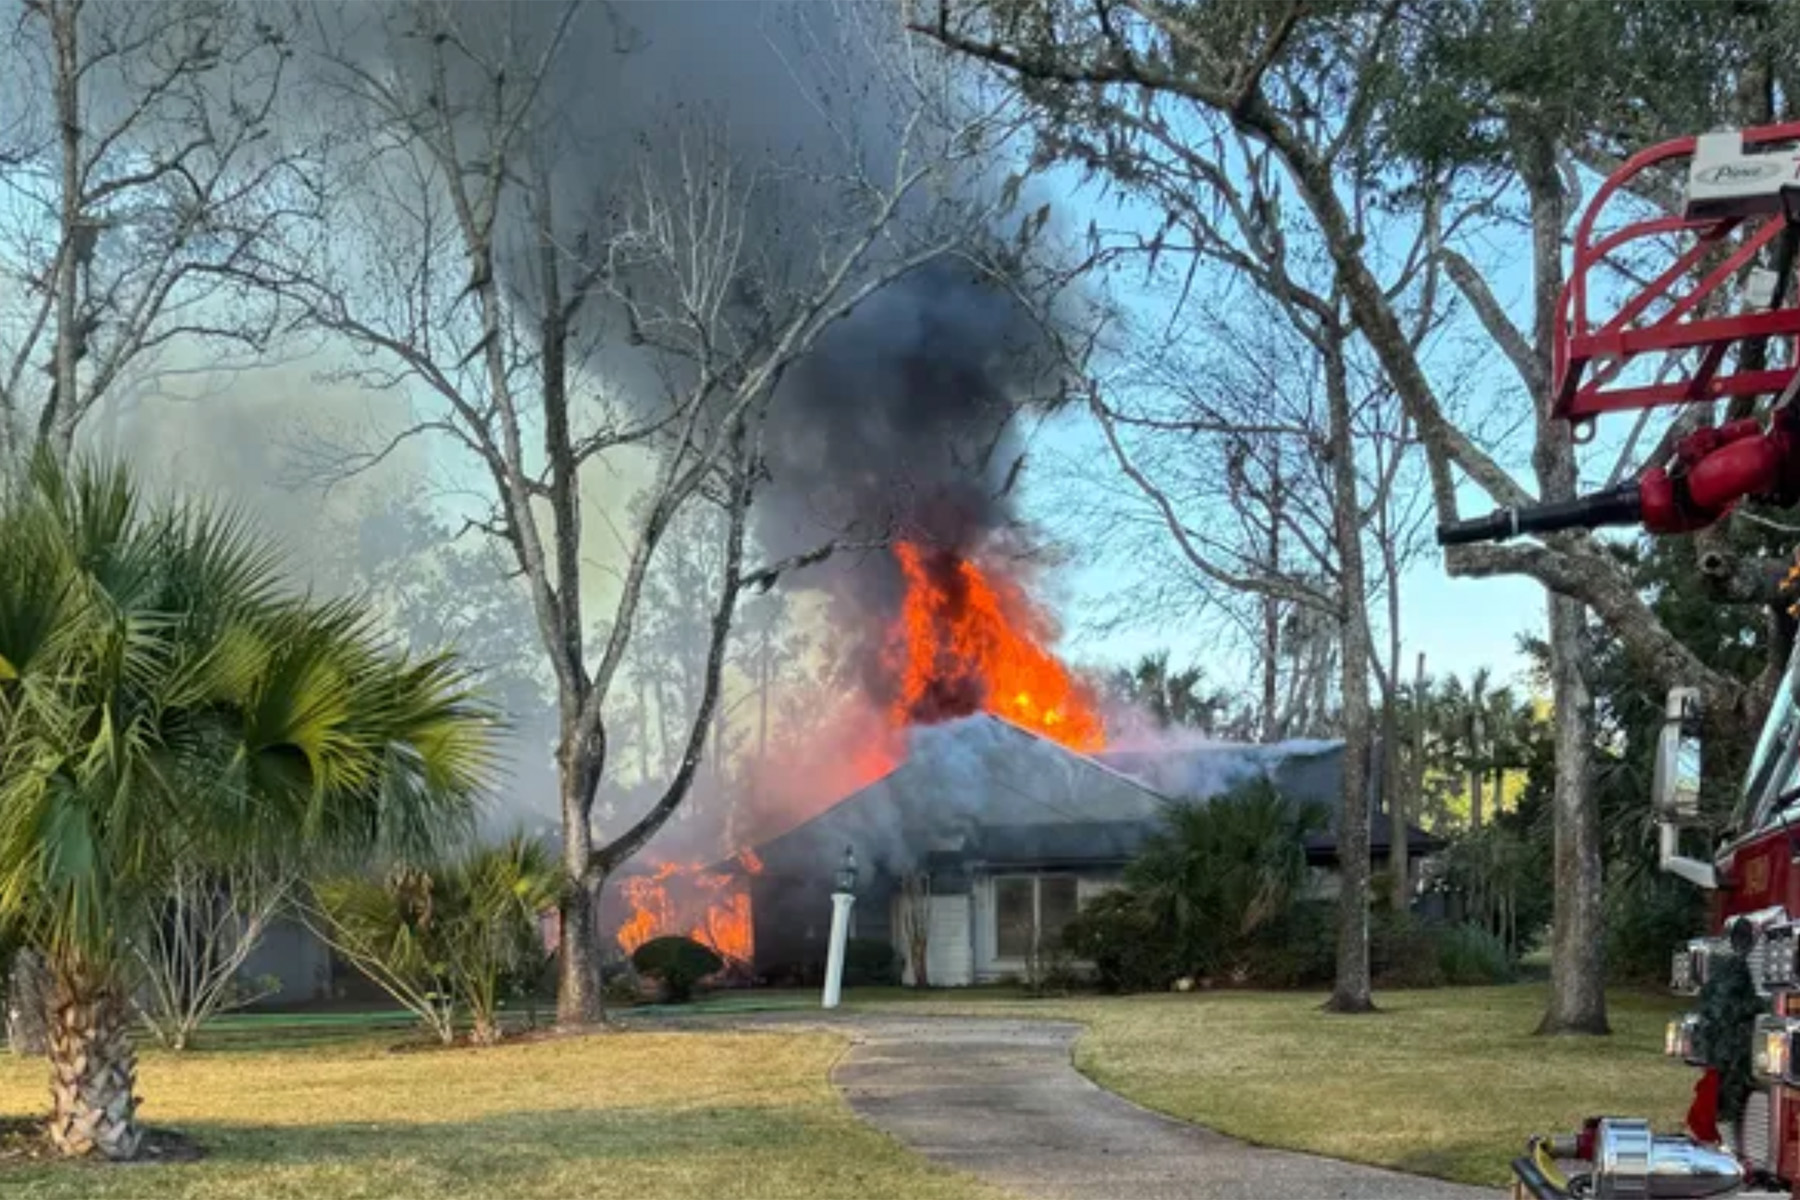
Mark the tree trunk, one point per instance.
(93, 1069)
(1391, 788)
(578, 992)
(1271, 618)
(1408, 792)
(1578, 947)
(28, 1006)
(1478, 753)
(57, 426)
(1350, 994)
(717, 746)
(1578, 944)
(915, 908)
(579, 1001)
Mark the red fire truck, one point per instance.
(1720, 322)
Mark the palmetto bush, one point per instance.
(436, 937)
(165, 700)
(1225, 873)
(1213, 893)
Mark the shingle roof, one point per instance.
(962, 784)
(984, 789)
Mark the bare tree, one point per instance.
(144, 185)
(146, 182)
(1152, 94)
(1400, 508)
(192, 953)
(1321, 513)
(1407, 793)
(1282, 423)
(655, 330)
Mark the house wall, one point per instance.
(1323, 883)
(791, 921)
(293, 954)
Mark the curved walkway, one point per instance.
(1002, 1100)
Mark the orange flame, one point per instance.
(964, 641)
(711, 907)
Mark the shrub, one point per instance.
(457, 932)
(1648, 915)
(620, 986)
(1299, 950)
(1130, 950)
(1223, 872)
(870, 962)
(679, 963)
(1472, 954)
(1403, 952)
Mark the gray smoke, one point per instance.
(905, 419)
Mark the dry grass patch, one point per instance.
(1445, 1083)
(675, 1115)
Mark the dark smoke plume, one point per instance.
(906, 419)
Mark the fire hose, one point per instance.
(1712, 471)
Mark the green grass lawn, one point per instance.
(1446, 1083)
(324, 1109)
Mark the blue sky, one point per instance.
(1461, 625)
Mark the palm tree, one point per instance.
(1173, 698)
(1476, 717)
(431, 936)
(163, 701)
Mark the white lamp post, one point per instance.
(842, 897)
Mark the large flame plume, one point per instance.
(967, 642)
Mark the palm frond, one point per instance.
(164, 698)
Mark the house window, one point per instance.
(1031, 908)
(1013, 916)
(1056, 907)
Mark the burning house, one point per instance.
(1013, 832)
(993, 788)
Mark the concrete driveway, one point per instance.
(1001, 1100)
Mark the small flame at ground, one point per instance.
(966, 642)
(686, 899)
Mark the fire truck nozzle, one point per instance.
(1621, 505)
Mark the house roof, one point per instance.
(1202, 769)
(983, 789)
